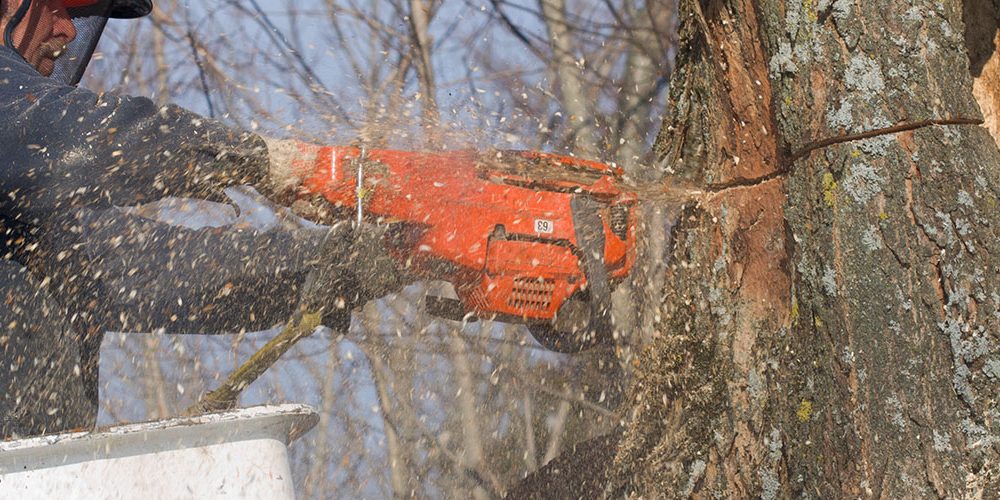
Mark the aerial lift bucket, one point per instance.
(236, 454)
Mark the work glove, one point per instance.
(351, 267)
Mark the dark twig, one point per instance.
(868, 134)
(201, 73)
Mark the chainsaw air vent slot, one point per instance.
(532, 294)
(619, 220)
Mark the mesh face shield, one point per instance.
(89, 21)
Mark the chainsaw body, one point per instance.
(497, 225)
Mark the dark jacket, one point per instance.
(68, 157)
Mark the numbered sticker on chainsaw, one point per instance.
(544, 226)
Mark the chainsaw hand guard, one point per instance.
(584, 321)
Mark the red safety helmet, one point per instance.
(89, 18)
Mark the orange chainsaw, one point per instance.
(522, 236)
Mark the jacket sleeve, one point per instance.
(149, 276)
(66, 148)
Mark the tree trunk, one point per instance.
(420, 16)
(569, 77)
(830, 324)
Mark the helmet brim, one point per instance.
(130, 9)
(118, 9)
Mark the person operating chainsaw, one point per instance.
(75, 265)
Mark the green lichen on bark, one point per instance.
(892, 296)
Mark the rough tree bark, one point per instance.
(831, 323)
